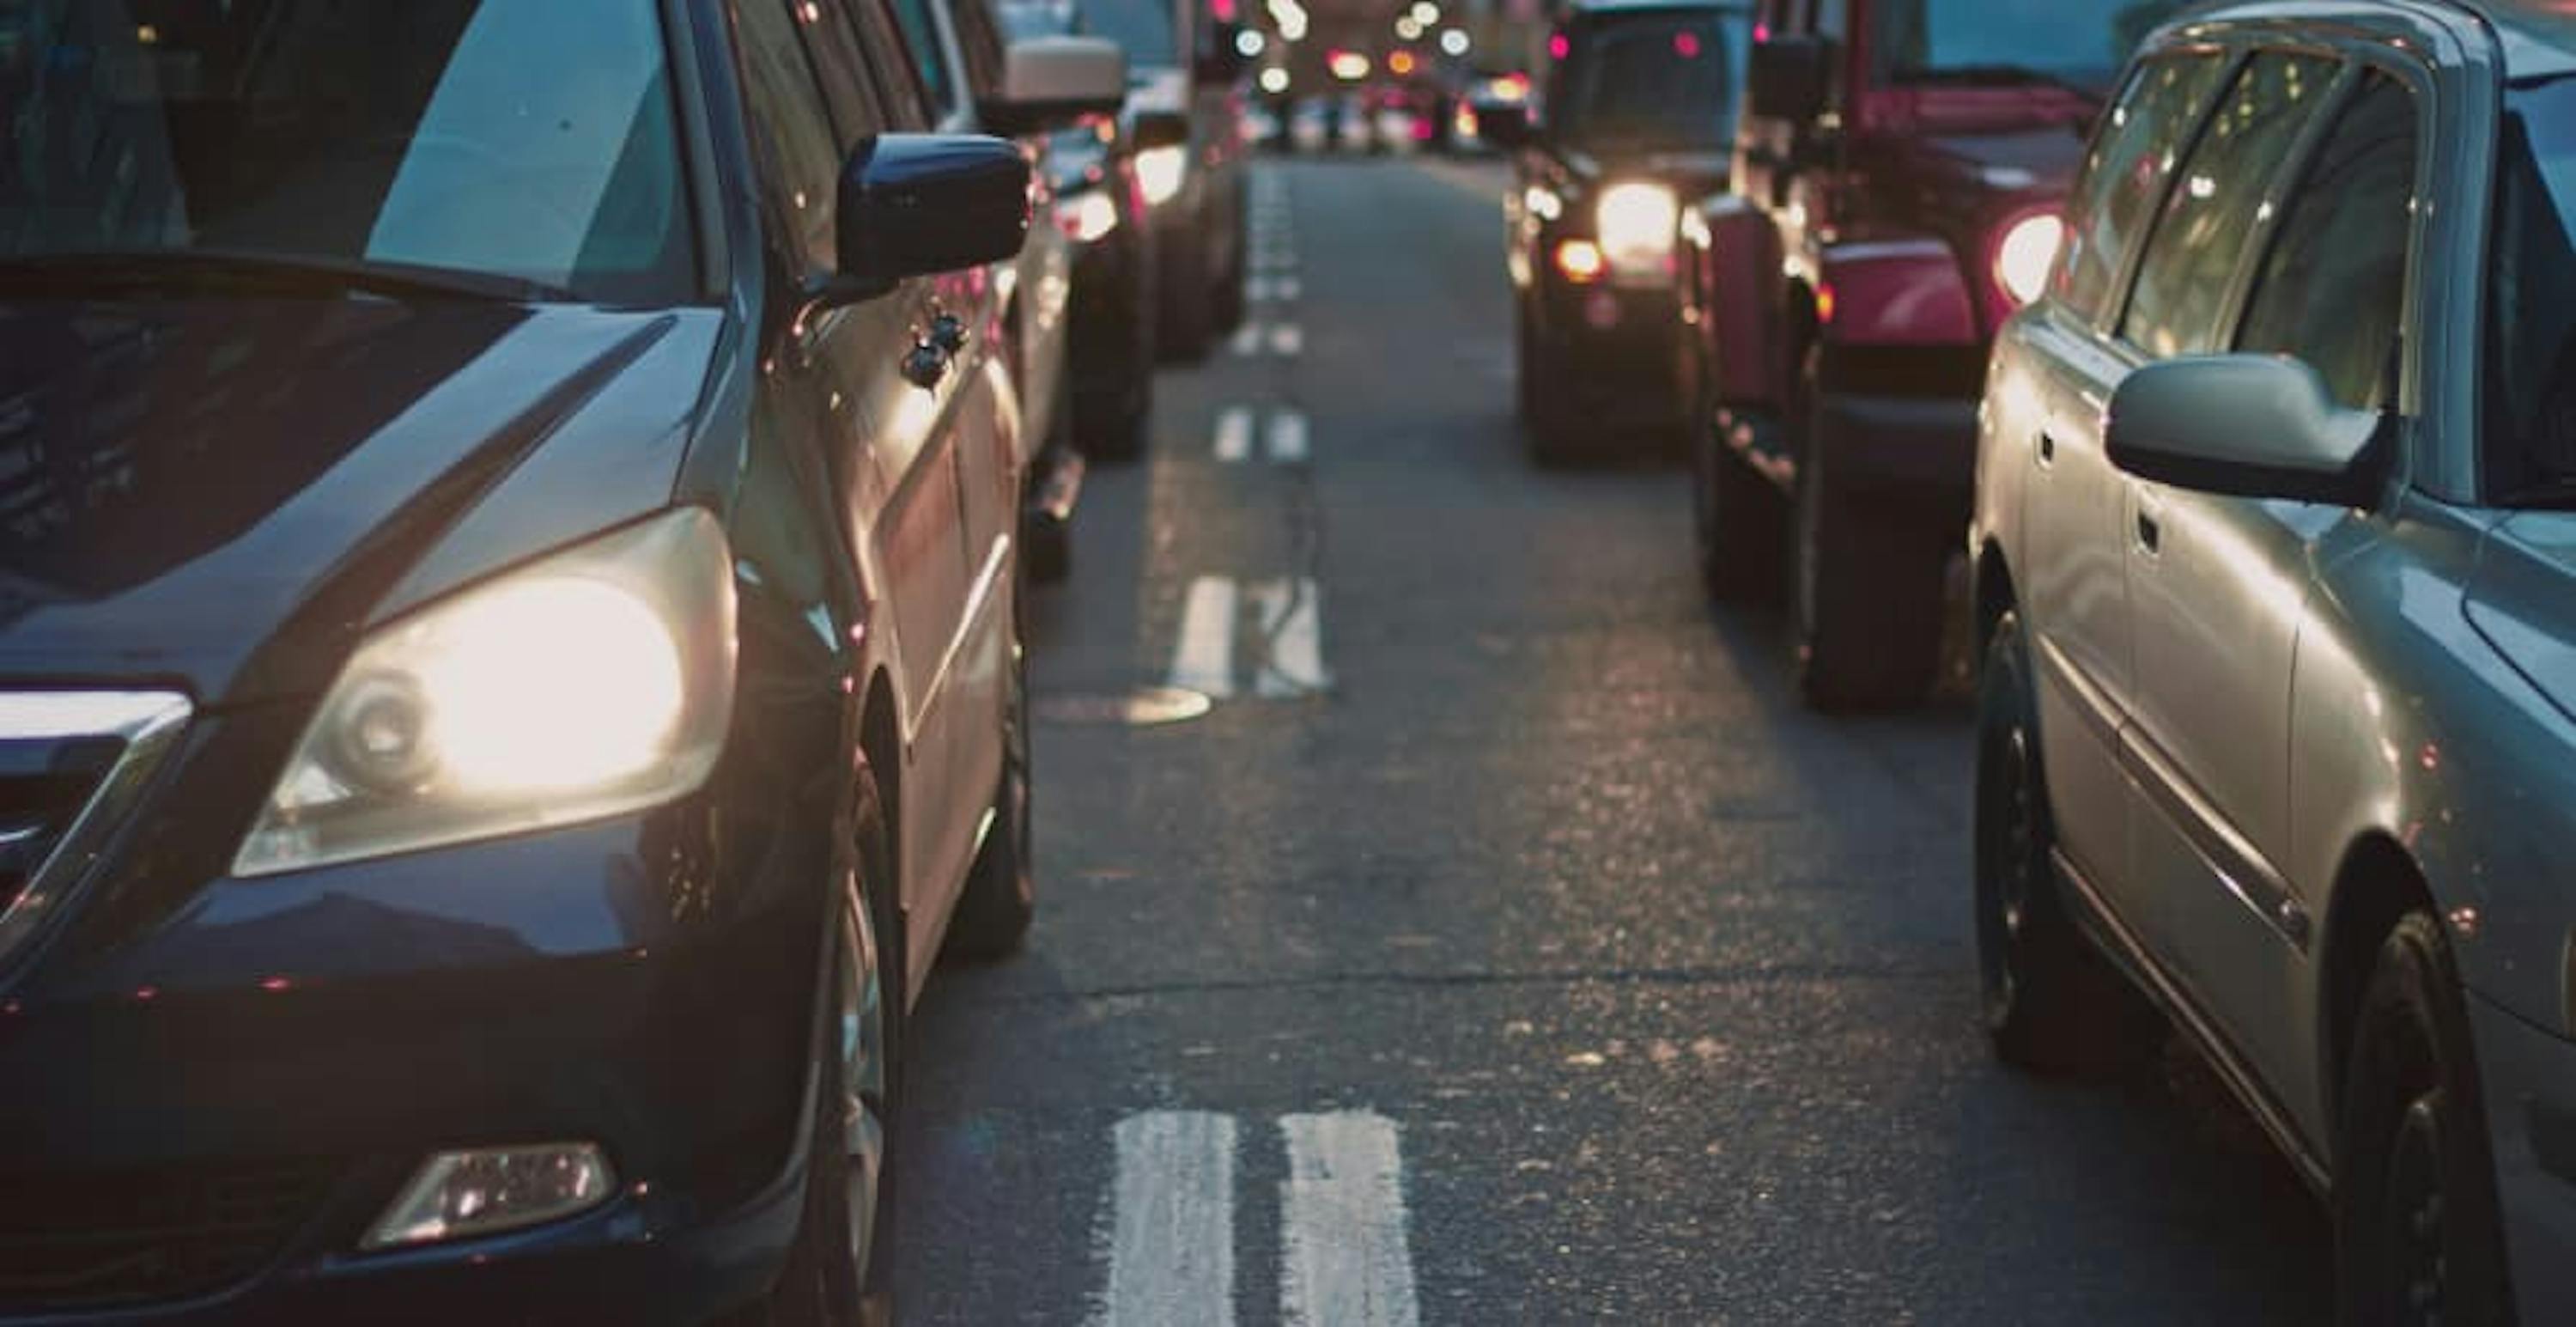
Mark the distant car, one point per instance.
(2275, 545)
(1901, 168)
(511, 670)
(1185, 115)
(1100, 206)
(1640, 116)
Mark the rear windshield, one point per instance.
(527, 139)
(1657, 79)
(1142, 27)
(2532, 297)
(2083, 43)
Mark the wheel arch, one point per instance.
(2378, 884)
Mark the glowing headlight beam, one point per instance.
(1637, 222)
(2027, 252)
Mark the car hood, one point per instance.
(1691, 174)
(2519, 599)
(222, 494)
(2033, 156)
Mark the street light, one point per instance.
(1349, 66)
(1455, 41)
(1407, 28)
(1274, 80)
(1249, 42)
(1424, 12)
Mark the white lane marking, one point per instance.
(1287, 288)
(1171, 1247)
(1257, 288)
(1292, 616)
(1274, 262)
(1234, 434)
(1203, 661)
(1247, 338)
(1344, 1260)
(1287, 438)
(1287, 339)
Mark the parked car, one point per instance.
(1186, 117)
(1900, 170)
(2278, 714)
(1639, 116)
(978, 82)
(511, 667)
(1100, 206)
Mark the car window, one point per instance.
(906, 102)
(980, 43)
(2079, 42)
(2193, 254)
(787, 115)
(929, 63)
(1655, 79)
(2531, 292)
(2334, 284)
(2134, 151)
(832, 46)
(1143, 27)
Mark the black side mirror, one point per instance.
(2247, 426)
(1505, 124)
(1222, 61)
(912, 204)
(1788, 78)
(1155, 129)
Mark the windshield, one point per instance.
(1047, 18)
(2079, 42)
(1651, 80)
(1142, 27)
(527, 139)
(2532, 291)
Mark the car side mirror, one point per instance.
(1155, 129)
(1787, 78)
(1051, 82)
(1505, 124)
(913, 204)
(1222, 61)
(2247, 426)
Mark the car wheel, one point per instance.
(2051, 1003)
(1187, 325)
(1001, 896)
(1866, 594)
(840, 1269)
(1735, 513)
(2417, 1237)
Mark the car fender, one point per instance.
(1736, 297)
(1894, 293)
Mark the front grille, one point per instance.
(74, 1242)
(43, 786)
(72, 764)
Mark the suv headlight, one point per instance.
(2025, 253)
(1636, 224)
(1159, 171)
(591, 682)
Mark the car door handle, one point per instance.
(2151, 532)
(2047, 449)
(924, 365)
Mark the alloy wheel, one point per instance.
(2008, 840)
(860, 995)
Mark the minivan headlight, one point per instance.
(1159, 171)
(2025, 254)
(1636, 223)
(591, 682)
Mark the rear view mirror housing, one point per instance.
(1051, 82)
(913, 204)
(1788, 77)
(2247, 426)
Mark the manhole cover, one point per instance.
(1143, 707)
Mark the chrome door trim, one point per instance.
(2235, 860)
(148, 722)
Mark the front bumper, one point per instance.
(202, 1122)
(1921, 451)
(2529, 1077)
(1613, 345)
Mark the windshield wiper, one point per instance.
(1996, 76)
(200, 270)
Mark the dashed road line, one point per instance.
(1171, 1244)
(1287, 438)
(1292, 617)
(1203, 658)
(1247, 338)
(1234, 434)
(1287, 339)
(1344, 1257)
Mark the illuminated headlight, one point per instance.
(2027, 252)
(1159, 171)
(1089, 217)
(592, 682)
(1636, 223)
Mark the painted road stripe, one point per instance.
(1344, 1260)
(1287, 339)
(1171, 1245)
(1234, 434)
(1287, 436)
(1247, 338)
(1292, 616)
(1287, 288)
(1203, 661)
(1260, 288)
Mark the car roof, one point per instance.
(1591, 7)
(2539, 35)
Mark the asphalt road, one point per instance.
(1504, 944)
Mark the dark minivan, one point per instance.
(509, 666)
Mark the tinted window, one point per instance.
(2531, 296)
(394, 133)
(907, 102)
(2184, 275)
(2334, 285)
(2078, 41)
(1143, 27)
(921, 39)
(833, 47)
(1657, 79)
(787, 115)
(980, 42)
(2124, 176)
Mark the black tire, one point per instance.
(2417, 1235)
(1736, 515)
(1187, 325)
(840, 1269)
(1000, 898)
(1866, 585)
(2051, 1002)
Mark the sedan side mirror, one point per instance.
(2247, 426)
(1505, 124)
(1787, 78)
(913, 204)
(1050, 82)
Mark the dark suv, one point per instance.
(1899, 170)
(1639, 118)
(509, 666)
